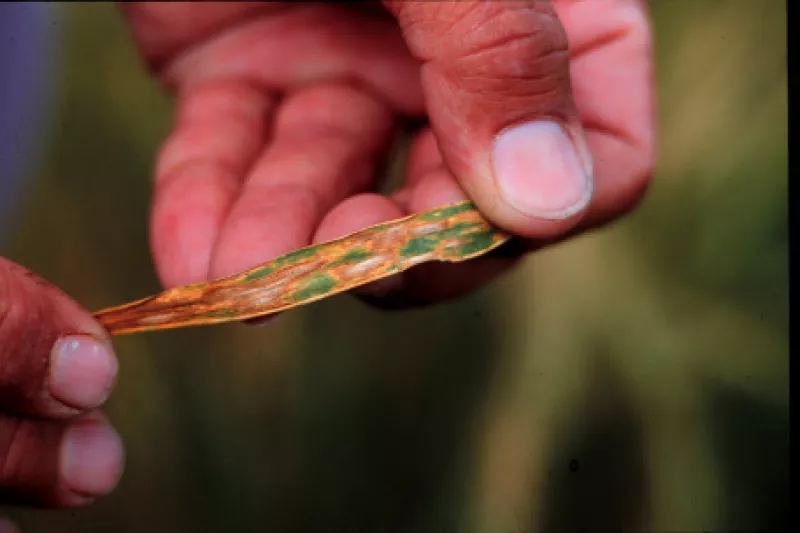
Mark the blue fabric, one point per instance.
(26, 62)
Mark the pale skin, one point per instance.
(283, 114)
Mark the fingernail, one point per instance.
(91, 459)
(82, 371)
(541, 172)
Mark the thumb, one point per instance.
(55, 359)
(497, 88)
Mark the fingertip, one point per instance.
(188, 210)
(59, 464)
(82, 371)
(91, 461)
(435, 188)
(423, 156)
(56, 359)
(356, 213)
(542, 177)
(265, 222)
(537, 183)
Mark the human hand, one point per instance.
(57, 366)
(541, 113)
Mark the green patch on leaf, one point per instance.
(282, 261)
(459, 230)
(317, 285)
(419, 246)
(297, 255)
(478, 241)
(260, 273)
(445, 212)
(428, 243)
(354, 255)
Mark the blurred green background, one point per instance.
(635, 379)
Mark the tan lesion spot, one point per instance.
(426, 229)
(362, 267)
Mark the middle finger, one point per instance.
(328, 141)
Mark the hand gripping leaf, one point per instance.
(452, 233)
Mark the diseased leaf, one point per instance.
(452, 234)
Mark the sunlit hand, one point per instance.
(540, 112)
(57, 367)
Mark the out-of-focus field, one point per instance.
(635, 379)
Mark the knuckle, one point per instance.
(497, 37)
(506, 35)
(516, 58)
(25, 337)
(535, 29)
(185, 150)
(338, 106)
(231, 100)
(15, 313)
